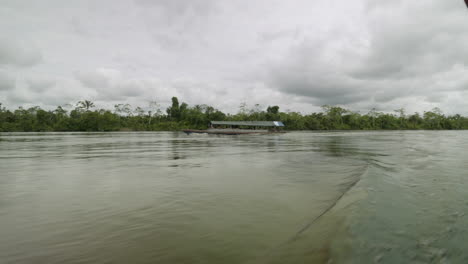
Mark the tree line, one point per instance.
(85, 117)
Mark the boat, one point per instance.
(240, 128)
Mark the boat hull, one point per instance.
(227, 132)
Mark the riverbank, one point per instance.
(182, 116)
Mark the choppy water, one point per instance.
(340, 197)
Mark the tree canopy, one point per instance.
(85, 117)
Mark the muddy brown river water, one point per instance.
(299, 197)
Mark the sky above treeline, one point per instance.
(298, 54)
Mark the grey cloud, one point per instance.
(40, 84)
(179, 16)
(298, 54)
(44, 91)
(179, 7)
(7, 82)
(436, 97)
(169, 41)
(93, 79)
(323, 89)
(131, 88)
(278, 34)
(179, 25)
(19, 97)
(111, 85)
(311, 69)
(414, 39)
(78, 27)
(13, 53)
(412, 49)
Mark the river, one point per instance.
(299, 197)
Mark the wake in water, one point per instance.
(353, 197)
(354, 177)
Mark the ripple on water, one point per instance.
(359, 197)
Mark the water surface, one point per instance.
(300, 197)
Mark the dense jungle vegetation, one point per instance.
(84, 117)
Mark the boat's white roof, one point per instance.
(249, 123)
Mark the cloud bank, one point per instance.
(297, 54)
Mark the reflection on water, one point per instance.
(346, 197)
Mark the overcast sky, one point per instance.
(298, 54)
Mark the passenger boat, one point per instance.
(240, 128)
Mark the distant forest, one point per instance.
(84, 117)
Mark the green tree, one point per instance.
(184, 116)
(335, 116)
(433, 119)
(272, 113)
(86, 104)
(173, 112)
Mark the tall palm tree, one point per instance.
(86, 104)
